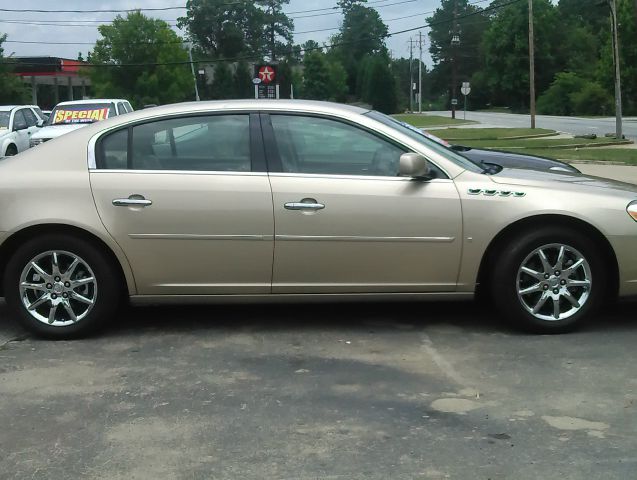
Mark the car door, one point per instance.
(32, 123)
(20, 130)
(189, 201)
(346, 223)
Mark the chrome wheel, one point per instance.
(58, 288)
(554, 282)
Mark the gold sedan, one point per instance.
(291, 201)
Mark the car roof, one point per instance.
(8, 108)
(91, 101)
(300, 106)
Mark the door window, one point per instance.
(205, 143)
(32, 121)
(19, 122)
(121, 109)
(317, 145)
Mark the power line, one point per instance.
(302, 50)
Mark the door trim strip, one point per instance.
(338, 238)
(180, 236)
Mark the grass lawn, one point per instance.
(489, 133)
(426, 121)
(625, 155)
(534, 144)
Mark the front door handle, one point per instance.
(132, 201)
(305, 204)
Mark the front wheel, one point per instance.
(549, 281)
(61, 287)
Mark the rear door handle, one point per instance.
(132, 201)
(304, 204)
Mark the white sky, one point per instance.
(49, 33)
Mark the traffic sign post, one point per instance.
(466, 90)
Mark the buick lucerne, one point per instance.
(293, 201)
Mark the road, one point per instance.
(572, 125)
(400, 391)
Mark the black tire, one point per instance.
(504, 280)
(11, 151)
(108, 291)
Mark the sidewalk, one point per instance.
(623, 173)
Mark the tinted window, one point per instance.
(121, 109)
(129, 108)
(30, 116)
(323, 146)
(19, 122)
(114, 149)
(112, 112)
(207, 143)
(4, 119)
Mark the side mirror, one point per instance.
(40, 123)
(414, 165)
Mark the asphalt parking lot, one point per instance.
(373, 391)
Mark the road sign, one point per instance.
(454, 101)
(256, 81)
(466, 88)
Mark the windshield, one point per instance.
(72, 114)
(4, 119)
(421, 137)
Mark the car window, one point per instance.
(32, 120)
(112, 112)
(121, 109)
(19, 122)
(80, 113)
(205, 143)
(40, 113)
(4, 119)
(114, 151)
(129, 107)
(323, 146)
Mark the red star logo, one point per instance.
(266, 74)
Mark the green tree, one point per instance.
(592, 99)
(378, 84)
(223, 86)
(557, 98)
(467, 54)
(222, 29)
(506, 52)
(243, 81)
(139, 51)
(362, 33)
(337, 81)
(277, 26)
(628, 56)
(12, 89)
(315, 76)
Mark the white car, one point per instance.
(69, 116)
(18, 123)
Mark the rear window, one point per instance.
(79, 113)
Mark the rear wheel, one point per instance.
(61, 287)
(549, 281)
(11, 151)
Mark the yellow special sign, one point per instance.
(81, 116)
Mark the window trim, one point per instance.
(257, 152)
(274, 159)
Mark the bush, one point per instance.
(592, 99)
(557, 99)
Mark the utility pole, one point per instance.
(411, 74)
(455, 40)
(616, 59)
(532, 63)
(192, 68)
(420, 73)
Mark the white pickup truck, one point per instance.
(71, 115)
